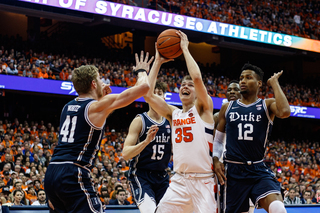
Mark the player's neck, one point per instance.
(89, 95)
(154, 115)
(186, 107)
(247, 99)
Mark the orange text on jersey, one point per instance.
(180, 121)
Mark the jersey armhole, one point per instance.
(266, 111)
(227, 110)
(143, 124)
(86, 116)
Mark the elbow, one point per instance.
(125, 155)
(144, 88)
(285, 113)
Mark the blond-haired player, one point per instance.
(192, 187)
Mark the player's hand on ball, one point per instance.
(274, 78)
(159, 58)
(143, 62)
(184, 43)
(152, 133)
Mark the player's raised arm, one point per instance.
(131, 148)
(279, 106)
(108, 103)
(194, 71)
(156, 102)
(218, 144)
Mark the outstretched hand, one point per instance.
(274, 79)
(143, 62)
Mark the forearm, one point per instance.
(281, 100)
(153, 77)
(132, 151)
(193, 68)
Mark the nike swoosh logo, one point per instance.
(207, 182)
(234, 107)
(163, 42)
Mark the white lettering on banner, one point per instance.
(277, 39)
(262, 35)
(212, 28)
(269, 37)
(101, 7)
(253, 34)
(199, 26)
(80, 3)
(67, 86)
(167, 96)
(242, 35)
(127, 11)
(223, 28)
(296, 109)
(178, 21)
(169, 19)
(65, 5)
(233, 30)
(287, 41)
(115, 8)
(190, 23)
(140, 15)
(151, 14)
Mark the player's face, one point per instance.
(187, 90)
(233, 92)
(159, 93)
(249, 83)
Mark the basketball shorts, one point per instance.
(153, 183)
(70, 189)
(254, 181)
(189, 194)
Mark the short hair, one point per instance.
(40, 190)
(234, 82)
(187, 77)
(121, 190)
(292, 189)
(118, 187)
(82, 78)
(254, 68)
(161, 86)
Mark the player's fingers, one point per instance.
(141, 56)
(137, 58)
(221, 181)
(151, 59)
(146, 58)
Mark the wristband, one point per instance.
(139, 70)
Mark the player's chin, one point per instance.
(232, 98)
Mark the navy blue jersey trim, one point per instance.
(209, 131)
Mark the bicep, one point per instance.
(161, 107)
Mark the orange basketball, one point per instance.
(168, 44)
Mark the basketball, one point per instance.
(168, 44)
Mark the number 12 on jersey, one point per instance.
(65, 129)
(248, 129)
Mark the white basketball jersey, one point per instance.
(192, 140)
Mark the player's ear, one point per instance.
(94, 84)
(260, 83)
